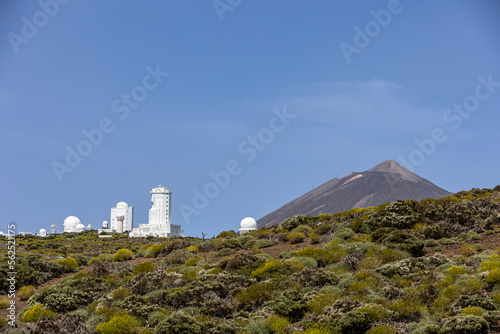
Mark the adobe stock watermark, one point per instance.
(121, 107)
(30, 27)
(248, 151)
(363, 37)
(11, 274)
(223, 6)
(454, 118)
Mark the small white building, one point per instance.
(248, 224)
(159, 224)
(122, 210)
(79, 228)
(70, 224)
(42, 232)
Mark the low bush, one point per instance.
(296, 238)
(277, 324)
(493, 276)
(69, 263)
(145, 267)
(383, 329)
(430, 243)
(263, 243)
(121, 293)
(225, 252)
(254, 296)
(343, 233)
(179, 323)
(35, 312)
(467, 324)
(4, 302)
(25, 292)
(123, 255)
(123, 324)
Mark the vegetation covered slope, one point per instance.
(407, 267)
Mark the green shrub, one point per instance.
(154, 250)
(123, 255)
(296, 238)
(69, 264)
(121, 293)
(273, 268)
(291, 305)
(302, 229)
(375, 312)
(447, 241)
(493, 276)
(322, 255)
(226, 234)
(34, 312)
(321, 300)
(404, 240)
(254, 295)
(351, 322)
(145, 267)
(25, 292)
(314, 238)
(425, 328)
(156, 317)
(438, 249)
(277, 324)
(343, 233)
(473, 310)
(308, 262)
(467, 324)
(258, 327)
(179, 323)
(4, 302)
(123, 324)
(225, 252)
(383, 329)
(430, 243)
(263, 243)
(3, 323)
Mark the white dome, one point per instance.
(71, 221)
(105, 224)
(42, 232)
(122, 205)
(89, 227)
(248, 223)
(80, 227)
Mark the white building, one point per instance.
(159, 224)
(122, 210)
(248, 224)
(42, 232)
(70, 224)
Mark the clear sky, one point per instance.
(280, 95)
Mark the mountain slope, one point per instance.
(384, 183)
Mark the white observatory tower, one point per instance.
(159, 214)
(159, 224)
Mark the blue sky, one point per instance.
(231, 71)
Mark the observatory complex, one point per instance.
(159, 224)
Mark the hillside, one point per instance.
(384, 183)
(429, 266)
